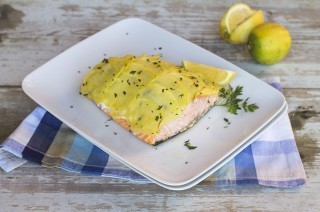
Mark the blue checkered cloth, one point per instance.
(272, 160)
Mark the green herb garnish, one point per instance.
(232, 101)
(188, 145)
(160, 106)
(227, 120)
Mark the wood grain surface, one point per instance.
(32, 32)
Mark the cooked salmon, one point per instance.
(152, 98)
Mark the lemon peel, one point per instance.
(238, 22)
(220, 77)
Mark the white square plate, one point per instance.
(55, 86)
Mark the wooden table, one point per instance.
(34, 31)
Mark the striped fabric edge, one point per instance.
(253, 182)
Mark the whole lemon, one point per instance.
(269, 43)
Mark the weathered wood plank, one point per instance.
(304, 110)
(14, 107)
(54, 189)
(70, 22)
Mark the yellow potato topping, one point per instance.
(146, 91)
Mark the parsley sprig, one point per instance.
(232, 101)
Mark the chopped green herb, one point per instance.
(115, 95)
(124, 93)
(188, 145)
(132, 72)
(105, 60)
(159, 108)
(227, 120)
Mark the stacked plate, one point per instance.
(55, 86)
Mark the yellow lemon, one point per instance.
(218, 76)
(269, 43)
(238, 22)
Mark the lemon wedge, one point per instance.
(215, 75)
(238, 22)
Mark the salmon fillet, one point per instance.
(187, 119)
(153, 99)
